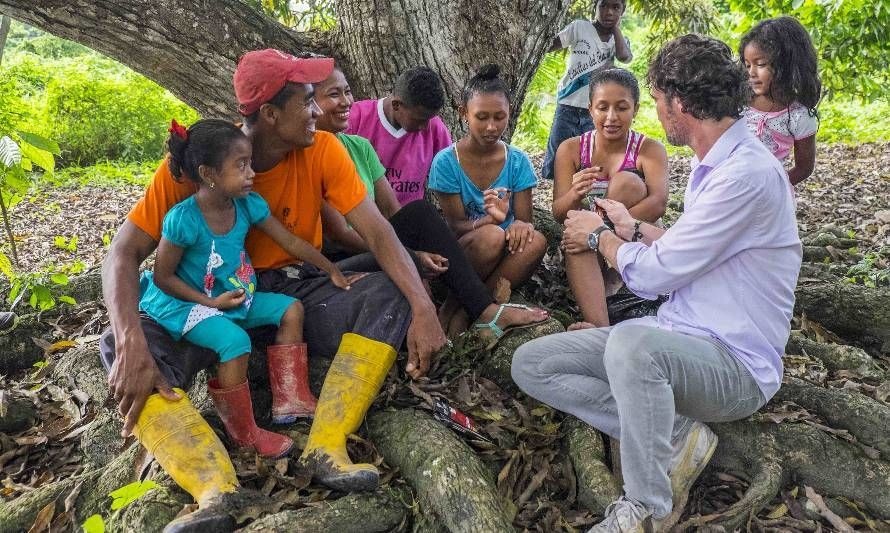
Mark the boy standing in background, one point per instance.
(592, 46)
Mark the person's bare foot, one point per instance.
(577, 326)
(513, 316)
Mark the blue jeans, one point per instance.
(642, 385)
(568, 121)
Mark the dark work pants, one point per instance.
(421, 228)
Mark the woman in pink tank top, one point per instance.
(612, 161)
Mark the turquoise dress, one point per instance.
(211, 263)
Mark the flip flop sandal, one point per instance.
(497, 331)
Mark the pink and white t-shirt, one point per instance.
(778, 130)
(407, 156)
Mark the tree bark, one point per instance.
(191, 47)
(382, 510)
(850, 310)
(379, 40)
(448, 477)
(4, 33)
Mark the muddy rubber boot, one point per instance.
(289, 381)
(353, 381)
(236, 411)
(190, 452)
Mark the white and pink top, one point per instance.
(778, 130)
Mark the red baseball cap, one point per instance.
(260, 74)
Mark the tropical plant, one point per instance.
(20, 153)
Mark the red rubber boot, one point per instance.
(289, 380)
(236, 411)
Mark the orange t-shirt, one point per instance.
(294, 189)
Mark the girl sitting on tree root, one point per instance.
(485, 188)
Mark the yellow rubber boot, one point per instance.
(353, 381)
(186, 447)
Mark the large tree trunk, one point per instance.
(191, 46)
(378, 40)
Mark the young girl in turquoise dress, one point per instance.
(484, 187)
(782, 71)
(203, 288)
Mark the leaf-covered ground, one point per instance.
(850, 190)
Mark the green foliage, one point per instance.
(51, 47)
(852, 37)
(533, 126)
(120, 498)
(848, 120)
(106, 174)
(94, 524)
(130, 493)
(96, 108)
(20, 153)
(669, 18)
(873, 270)
(97, 113)
(43, 289)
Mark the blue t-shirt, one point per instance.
(211, 263)
(447, 176)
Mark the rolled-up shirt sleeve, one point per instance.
(711, 231)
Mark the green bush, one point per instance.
(96, 108)
(99, 111)
(22, 85)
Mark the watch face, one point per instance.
(593, 241)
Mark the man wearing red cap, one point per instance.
(296, 169)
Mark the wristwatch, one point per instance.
(593, 238)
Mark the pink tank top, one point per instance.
(634, 143)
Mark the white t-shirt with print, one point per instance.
(778, 130)
(587, 53)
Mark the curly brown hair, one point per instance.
(702, 73)
(793, 60)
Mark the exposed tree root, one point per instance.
(836, 357)
(597, 488)
(383, 510)
(848, 309)
(803, 454)
(866, 419)
(448, 477)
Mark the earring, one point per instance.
(212, 184)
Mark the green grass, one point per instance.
(104, 174)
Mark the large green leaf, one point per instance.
(129, 493)
(10, 155)
(14, 181)
(6, 267)
(42, 143)
(39, 157)
(94, 524)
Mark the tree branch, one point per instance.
(189, 47)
